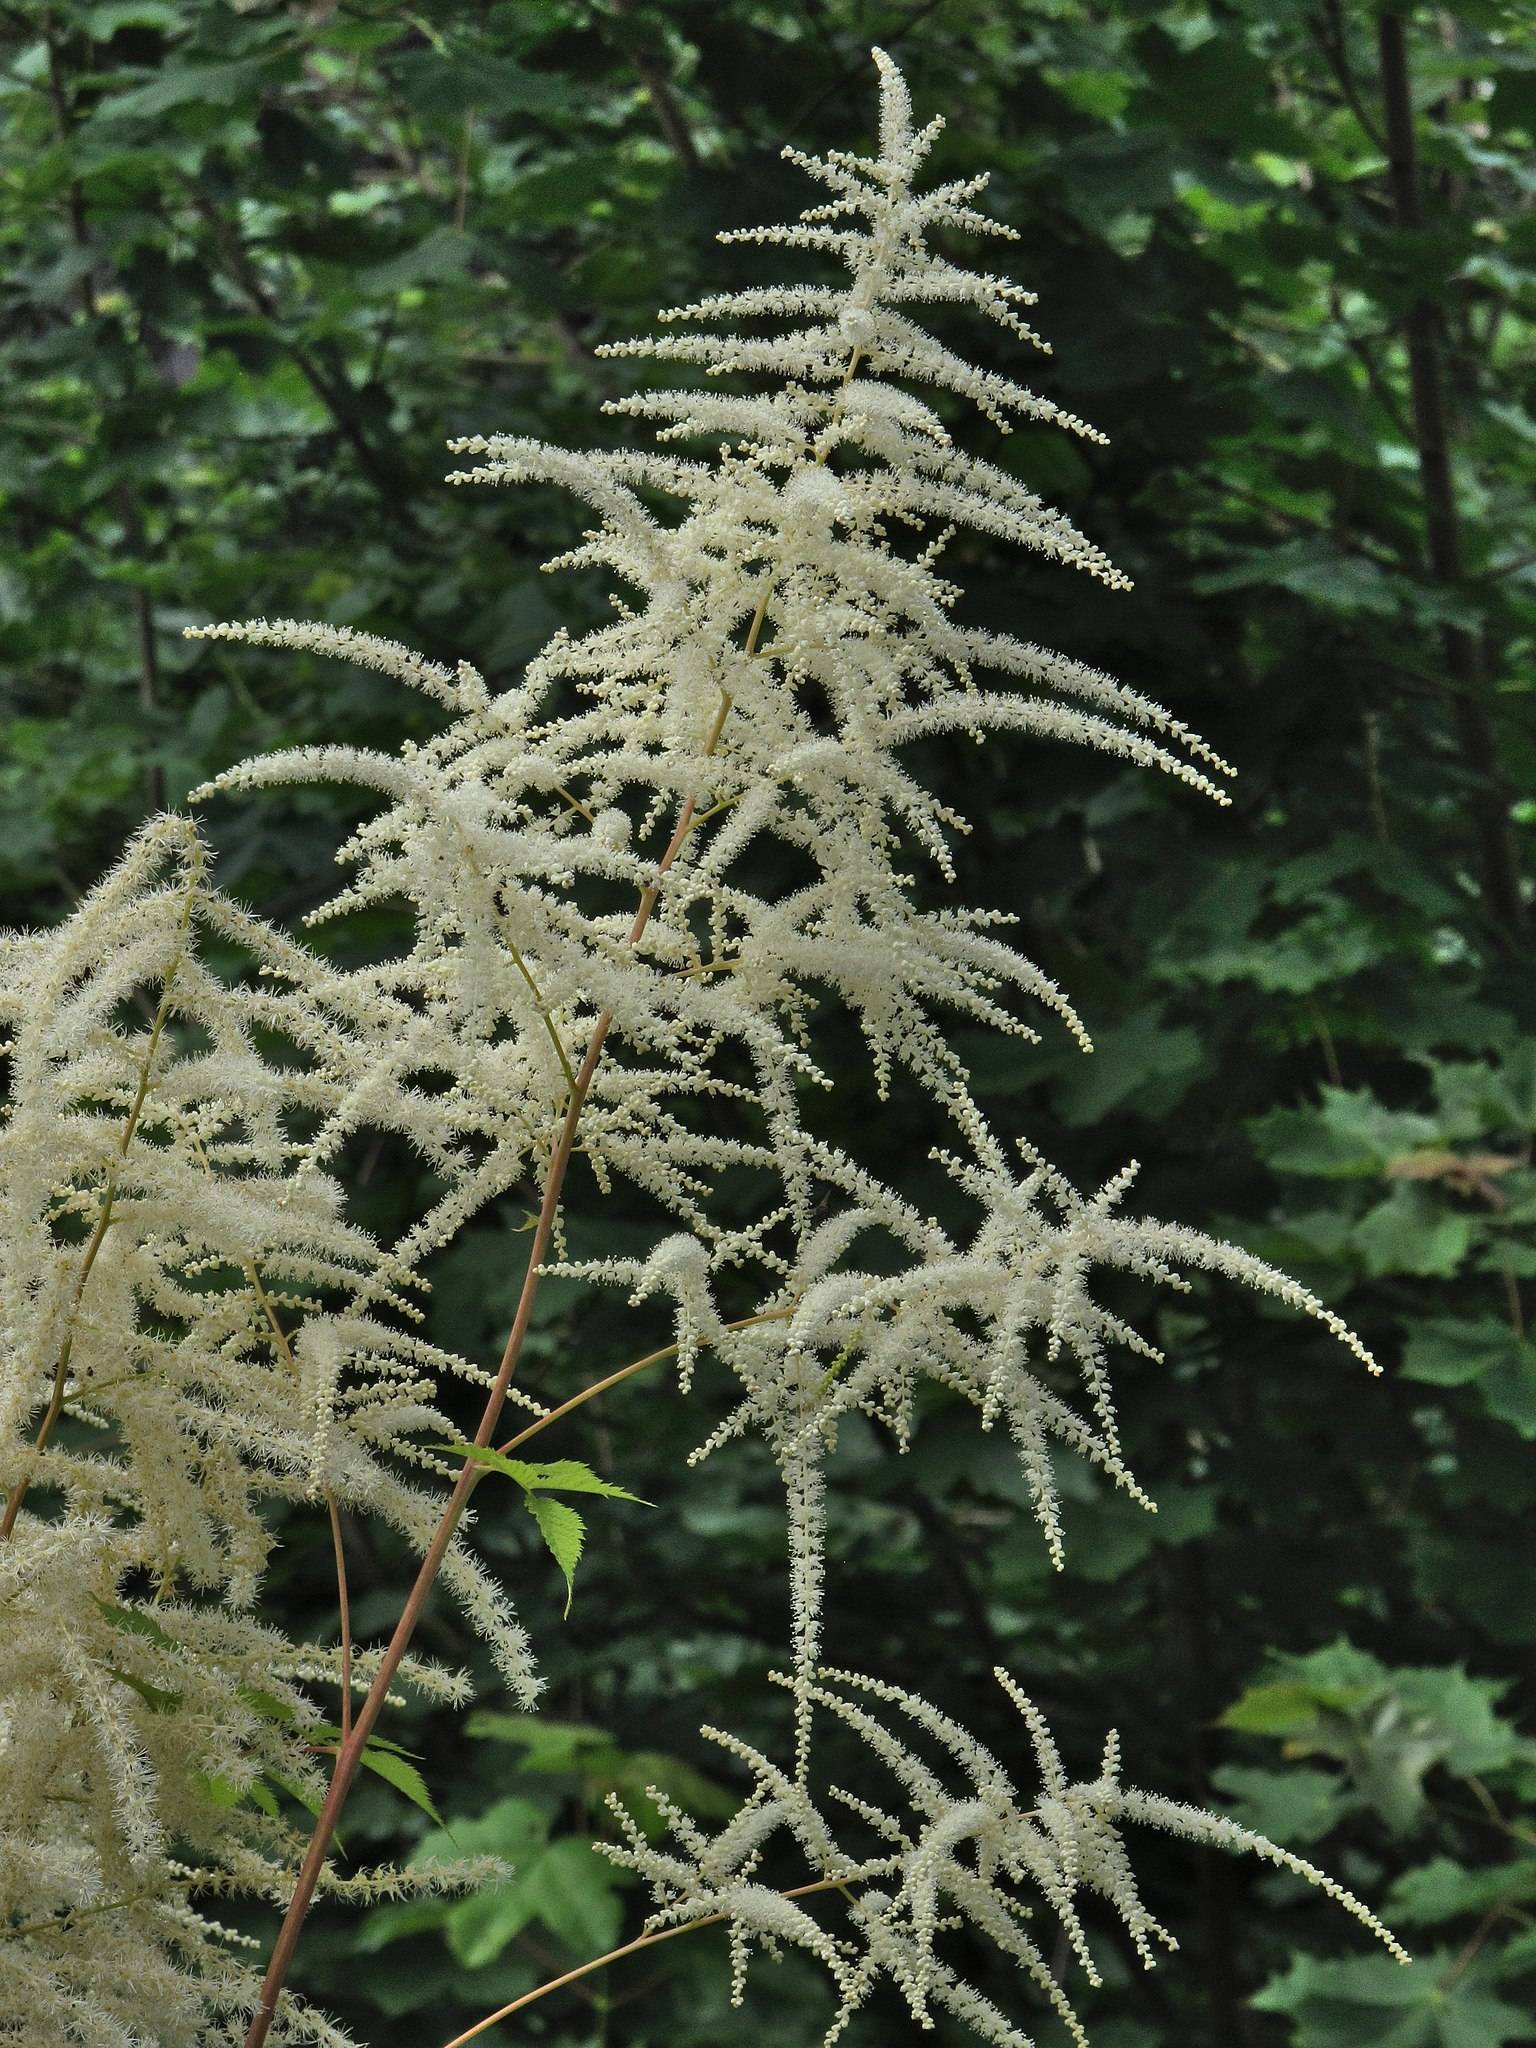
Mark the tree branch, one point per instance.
(1329, 34)
(1498, 857)
(330, 384)
(670, 118)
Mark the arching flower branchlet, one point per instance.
(960, 1845)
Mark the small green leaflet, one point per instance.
(266, 1704)
(302, 1798)
(386, 1759)
(133, 1622)
(389, 1762)
(565, 1475)
(404, 1776)
(564, 1531)
(221, 1792)
(158, 1698)
(261, 1796)
(155, 1697)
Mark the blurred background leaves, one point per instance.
(258, 261)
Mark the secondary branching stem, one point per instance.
(615, 1955)
(625, 1372)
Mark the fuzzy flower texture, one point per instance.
(195, 1330)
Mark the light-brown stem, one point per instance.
(614, 1955)
(772, 1315)
(346, 1618)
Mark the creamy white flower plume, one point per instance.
(979, 1853)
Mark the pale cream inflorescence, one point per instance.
(196, 1330)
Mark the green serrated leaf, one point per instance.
(1413, 1232)
(261, 1796)
(1373, 2002)
(576, 1749)
(564, 1533)
(1289, 1806)
(300, 1796)
(556, 1746)
(103, 22)
(1348, 1135)
(155, 1697)
(388, 1761)
(393, 1768)
(266, 1704)
(221, 1792)
(477, 1928)
(216, 1790)
(577, 1896)
(1444, 1351)
(1446, 1890)
(1288, 1707)
(630, 1774)
(328, 1732)
(568, 1475)
(133, 1622)
(443, 253)
(182, 85)
(564, 1475)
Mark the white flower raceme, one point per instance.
(942, 1859)
(192, 1331)
(998, 1320)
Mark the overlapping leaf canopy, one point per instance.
(260, 263)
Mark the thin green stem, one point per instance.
(62, 1922)
(772, 1315)
(543, 1008)
(527, 973)
(714, 810)
(1469, 1953)
(705, 967)
(575, 803)
(346, 1618)
(614, 1955)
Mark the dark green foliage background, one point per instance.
(257, 262)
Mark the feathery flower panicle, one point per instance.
(193, 1330)
(603, 958)
(998, 1320)
(980, 1854)
(783, 653)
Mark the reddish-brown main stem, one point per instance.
(349, 1755)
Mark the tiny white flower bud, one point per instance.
(612, 827)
